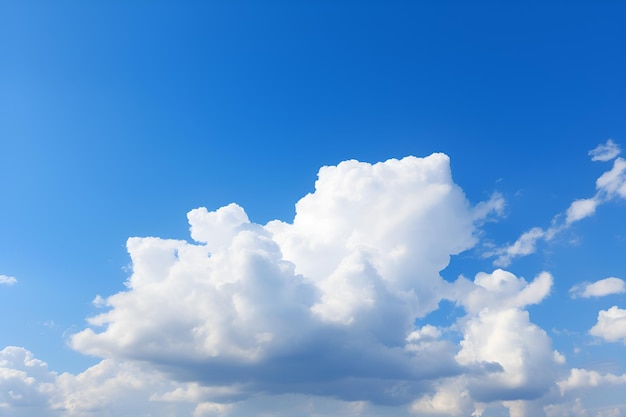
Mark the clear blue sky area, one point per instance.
(117, 118)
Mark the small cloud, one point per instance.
(6, 280)
(599, 288)
(428, 332)
(611, 325)
(583, 378)
(525, 245)
(605, 152)
(580, 209)
(99, 301)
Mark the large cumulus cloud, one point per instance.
(317, 316)
(322, 305)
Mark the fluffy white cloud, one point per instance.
(521, 351)
(25, 383)
(404, 217)
(512, 360)
(107, 389)
(520, 363)
(599, 288)
(500, 290)
(611, 325)
(7, 280)
(605, 152)
(322, 305)
(583, 378)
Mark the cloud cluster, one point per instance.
(25, 382)
(326, 315)
(609, 186)
(300, 307)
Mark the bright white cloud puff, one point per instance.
(599, 288)
(611, 325)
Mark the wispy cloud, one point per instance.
(610, 185)
(605, 152)
(6, 280)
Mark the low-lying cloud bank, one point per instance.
(313, 317)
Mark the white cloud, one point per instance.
(524, 245)
(6, 280)
(494, 206)
(610, 185)
(501, 290)
(583, 378)
(599, 288)
(406, 217)
(451, 398)
(107, 389)
(428, 332)
(114, 388)
(316, 317)
(322, 305)
(605, 152)
(611, 325)
(580, 209)
(25, 382)
(518, 361)
(521, 349)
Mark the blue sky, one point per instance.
(119, 119)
